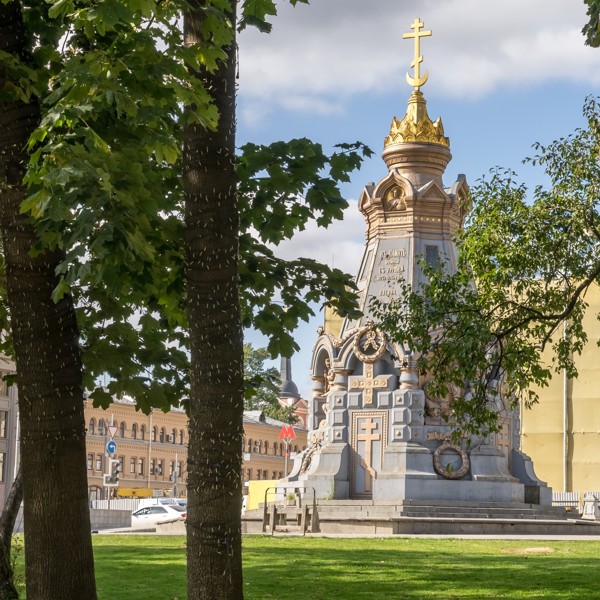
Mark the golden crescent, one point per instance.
(416, 83)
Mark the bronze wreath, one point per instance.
(445, 472)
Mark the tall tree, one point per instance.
(215, 330)
(59, 559)
(525, 263)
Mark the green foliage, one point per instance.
(525, 265)
(255, 12)
(283, 186)
(105, 189)
(591, 30)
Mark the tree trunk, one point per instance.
(7, 524)
(58, 553)
(216, 393)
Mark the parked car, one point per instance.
(149, 516)
(181, 502)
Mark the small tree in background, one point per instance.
(263, 386)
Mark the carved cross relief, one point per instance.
(369, 438)
(368, 382)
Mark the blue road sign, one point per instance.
(111, 447)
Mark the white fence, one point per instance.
(130, 504)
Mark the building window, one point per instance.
(122, 429)
(3, 384)
(258, 473)
(90, 461)
(180, 469)
(274, 475)
(181, 437)
(280, 474)
(163, 433)
(3, 423)
(132, 463)
(2, 467)
(432, 256)
(99, 462)
(101, 426)
(122, 464)
(154, 430)
(152, 466)
(141, 466)
(161, 467)
(92, 426)
(266, 447)
(171, 469)
(249, 474)
(134, 431)
(143, 432)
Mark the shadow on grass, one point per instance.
(415, 573)
(153, 568)
(132, 568)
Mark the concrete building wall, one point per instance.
(9, 430)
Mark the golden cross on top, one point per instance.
(417, 81)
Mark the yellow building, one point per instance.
(562, 432)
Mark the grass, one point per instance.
(145, 567)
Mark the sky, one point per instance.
(502, 76)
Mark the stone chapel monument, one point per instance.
(375, 432)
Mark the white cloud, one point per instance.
(319, 54)
(340, 245)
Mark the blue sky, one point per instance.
(502, 75)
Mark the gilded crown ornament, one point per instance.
(416, 126)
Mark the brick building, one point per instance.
(264, 453)
(151, 449)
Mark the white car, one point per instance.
(149, 516)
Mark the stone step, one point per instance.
(498, 512)
(462, 515)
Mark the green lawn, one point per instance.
(142, 567)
